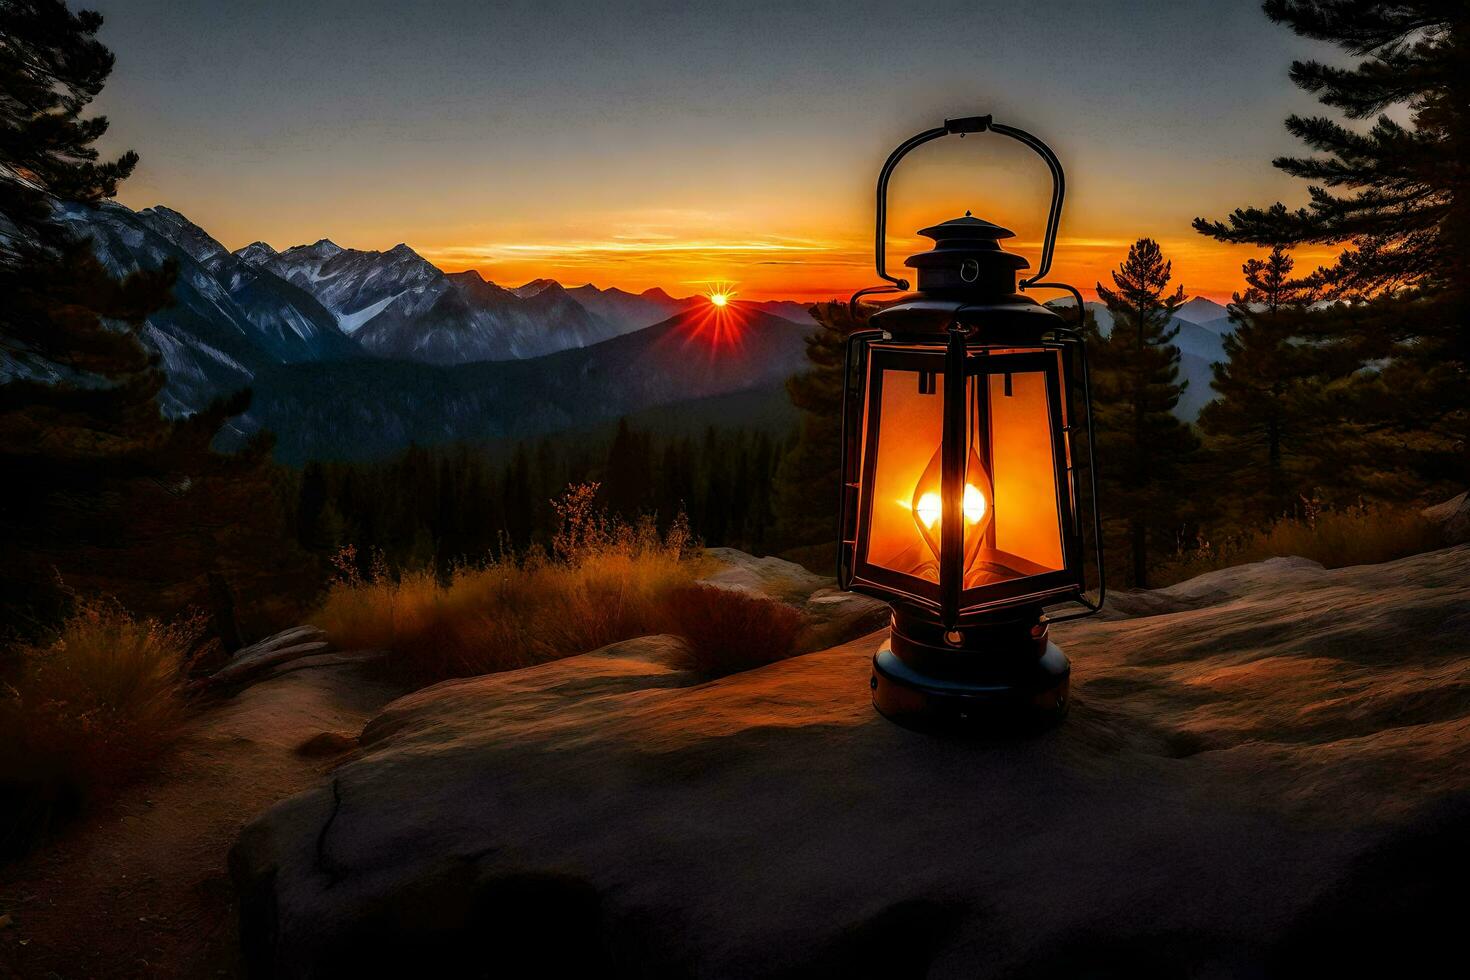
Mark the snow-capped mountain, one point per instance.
(256, 253)
(290, 324)
(355, 285)
(183, 233)
(219, 330)
(396, 304)
(237, 314)
(470, 319)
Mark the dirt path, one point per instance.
(140, 889)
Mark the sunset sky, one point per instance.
(677, 144)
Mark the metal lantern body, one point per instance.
(961, 483)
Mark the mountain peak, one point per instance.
(165, 211)
(182, 232)
(256, 253)
(401, 250)
(536, 287)
(1201, 310)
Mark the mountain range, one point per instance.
(1202, 325)
(238, 314)
(358, 353)
(372, 407)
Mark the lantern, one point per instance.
(962, 497)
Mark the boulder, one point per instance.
(769, 576)
(1275, 781)
(832, 616)
(1453, 516)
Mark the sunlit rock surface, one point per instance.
(832, 617)
(1265, 773)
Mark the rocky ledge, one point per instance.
(1266, 772)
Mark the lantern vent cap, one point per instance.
(968, 229)
(967, 255)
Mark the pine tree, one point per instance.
(100, 491)
(1143, 448)
(1399, 196)
(808, 477)
(1262, 423)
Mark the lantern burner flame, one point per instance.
(930, 507)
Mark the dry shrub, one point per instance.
(85, 714)
(726, 631)
(604, 581)
(1362, 534)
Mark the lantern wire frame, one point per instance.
(961, 126)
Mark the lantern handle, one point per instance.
(961, 126)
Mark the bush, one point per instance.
(1363, 534)
(87, 713)
(605, 581)
(727, 631)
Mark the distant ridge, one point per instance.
(1200, 345)
(1201, 310)
(238, 316)
(373, 408)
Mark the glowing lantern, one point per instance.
(962, 489)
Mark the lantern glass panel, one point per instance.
(1015, 499)
(905, 406)
(1012, 435)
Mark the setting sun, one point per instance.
(720, 293)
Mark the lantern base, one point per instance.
(1003, 675)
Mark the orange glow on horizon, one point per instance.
(819, 271)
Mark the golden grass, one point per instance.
(603, 582)
(86, 713)
(1363, 534)
(504, 614)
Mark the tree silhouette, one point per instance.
(806, 488)
(1266, 384)
(1398, 195)
(1135, 388)
(100, 490)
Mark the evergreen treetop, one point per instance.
(1395, 193)
(1143, 446)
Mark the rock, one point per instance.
(258, 658)
(320, 660)
(769, 576)
(1213, 588)
(834, 617)
(1238, 782)
(327, 744)
(1453, 516)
